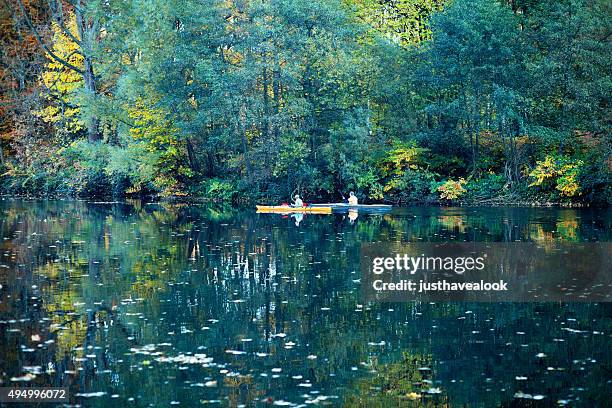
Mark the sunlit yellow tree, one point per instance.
(62, 82)
(559, 171)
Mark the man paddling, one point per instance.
(352, 200)
(297, 202)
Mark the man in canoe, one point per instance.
(298, 201)
(352, 200)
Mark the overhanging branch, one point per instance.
(43, 45)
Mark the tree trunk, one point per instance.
(89, 79)
(93, 125)
(276, 87)
(193, 160)
(245, 142)
(266, 101)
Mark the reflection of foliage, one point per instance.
(190, 263)
(236, 395)
(397, 384)
(451, 221)
(61, 302)
(567, 229)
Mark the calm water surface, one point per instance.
(136, 305)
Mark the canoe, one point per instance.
(358, 207)
(285, 209)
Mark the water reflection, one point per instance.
(135, 304)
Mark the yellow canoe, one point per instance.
(285, 209)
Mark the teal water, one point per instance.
(136, 305)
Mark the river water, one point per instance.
(135, 304)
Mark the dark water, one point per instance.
(152, 305)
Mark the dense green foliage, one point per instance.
(402, 101)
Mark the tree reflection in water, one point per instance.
(165, 303)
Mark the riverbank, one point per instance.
(248, 204)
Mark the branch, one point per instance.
(42, 44)
(66, 31)
(76, 5)
(58, 14)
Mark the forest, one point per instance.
(402, 101)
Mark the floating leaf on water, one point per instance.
(33, 369)
(572, 330)
(90, 394)
(184, 359)
(434, 390)
(522, 395)
(27, 377)
(235, 352)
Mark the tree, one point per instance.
(471, 73)
(21, 59)
(62, 84)
(84, 43)
(404, 22)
